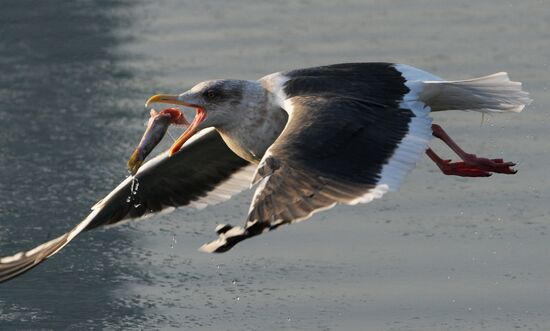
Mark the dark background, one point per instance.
(442, 254)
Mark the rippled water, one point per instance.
(442, 254)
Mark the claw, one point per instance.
(474, 160)
(472, 166)
(491, 165)
(465, 169)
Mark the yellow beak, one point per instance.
(166, 98)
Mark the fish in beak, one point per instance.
(156, 129)
(191, 130)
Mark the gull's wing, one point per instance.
(354, 132)
(205, 171)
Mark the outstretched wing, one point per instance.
(205, 172)
(354, 132)
(164, 182)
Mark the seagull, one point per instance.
(308, 139)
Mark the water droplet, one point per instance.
(134, 186)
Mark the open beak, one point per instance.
(191, 130)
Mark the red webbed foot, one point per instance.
(464, 169)
(490, 165)
(473, 166)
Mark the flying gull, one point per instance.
(308, 138)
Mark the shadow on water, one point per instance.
(63, 119)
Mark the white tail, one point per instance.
(493, 93)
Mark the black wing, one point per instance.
(354, 133)
(205, 171)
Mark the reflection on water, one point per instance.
(443, 253)
(65, 101)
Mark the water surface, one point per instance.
(444, 253)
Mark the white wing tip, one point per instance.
(225, 232)
(13, 258)
(213, 246)
(375, 193)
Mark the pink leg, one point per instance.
(472, 166)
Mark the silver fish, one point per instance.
(156, 129)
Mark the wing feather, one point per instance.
(350, 138)
(161, 184)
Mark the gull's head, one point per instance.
(213, 100)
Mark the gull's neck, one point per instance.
(256, 123)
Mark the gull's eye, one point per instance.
(210, 94)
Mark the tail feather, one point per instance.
(493, 93)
